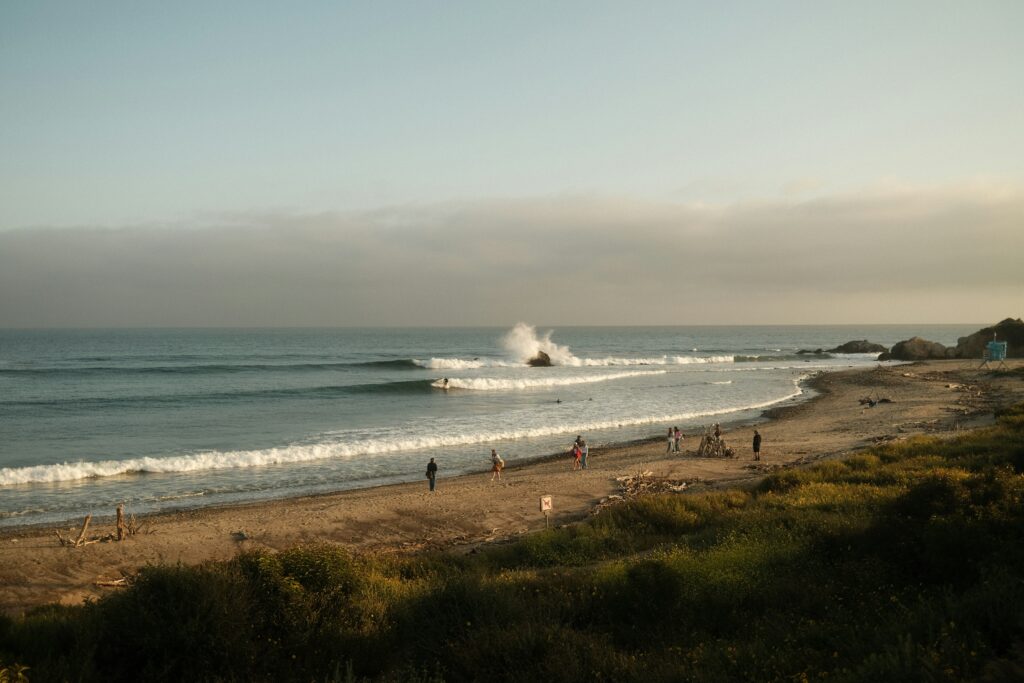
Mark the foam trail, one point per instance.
(497, 384)
(376, 445)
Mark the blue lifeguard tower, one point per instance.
(995, 352)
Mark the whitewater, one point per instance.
(159, 419)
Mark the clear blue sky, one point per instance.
(142, 111)
(342, 163)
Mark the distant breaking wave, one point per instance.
(460, 364)
(568, 361)
(207, 369)
(164, 400)
(298, 453)
(785, 357)
(501, 384)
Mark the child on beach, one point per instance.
(677, 437)
(757, 445)
(577, 455)
(497, 465)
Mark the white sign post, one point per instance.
(545, 507)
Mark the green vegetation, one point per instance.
(904, 563)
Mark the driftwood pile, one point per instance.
(712, 445)
(125, 528)
(642, 483)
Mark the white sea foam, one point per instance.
(522, 344)
(462, 364)
(381, 444)
(504, 384)
(570, 361)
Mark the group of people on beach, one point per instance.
(580, 450)
(497, 465)
(675, 437)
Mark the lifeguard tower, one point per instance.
(994, 352)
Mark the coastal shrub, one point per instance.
(176, 623)
(903, 563)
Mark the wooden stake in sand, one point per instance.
(85, 527)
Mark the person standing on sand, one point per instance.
(757, 445)
(677, 436)
(584, 451)
(671, 439)
(497, 465)
(577, 455)
(432, 473)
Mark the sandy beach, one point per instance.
(937, 397)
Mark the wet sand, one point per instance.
(936, 397)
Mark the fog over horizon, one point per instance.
(942, 254)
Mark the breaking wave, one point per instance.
(502, 384)
(365, 446)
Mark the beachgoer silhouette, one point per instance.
(497, 465)
(432, 473)
(757, 445)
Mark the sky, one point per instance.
(481, 163)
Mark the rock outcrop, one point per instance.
(862, 346)
(541, 360)
(1010, 331)
(916, 348)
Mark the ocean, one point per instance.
(159, 419)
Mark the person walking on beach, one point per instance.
(671, 440)
(432, 474)
(497, 465)
(577, 455)
(677, 436)
(757, 445)
(584, 451)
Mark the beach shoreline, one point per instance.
(810, 385)
(935, 397)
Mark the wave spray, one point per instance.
(522, 344)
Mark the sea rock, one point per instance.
(808, 352)
(916, 348)
(1009, 330)
(541, 360)
(862, 346)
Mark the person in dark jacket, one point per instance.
(757, 445)
(432, 473)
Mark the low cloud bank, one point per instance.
(915, 255)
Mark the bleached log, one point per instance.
(85, 527)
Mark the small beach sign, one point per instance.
(545, 507)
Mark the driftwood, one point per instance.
(85, 527)
(642, 483)
(121, 528)
(712, 445)
(124, 528)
